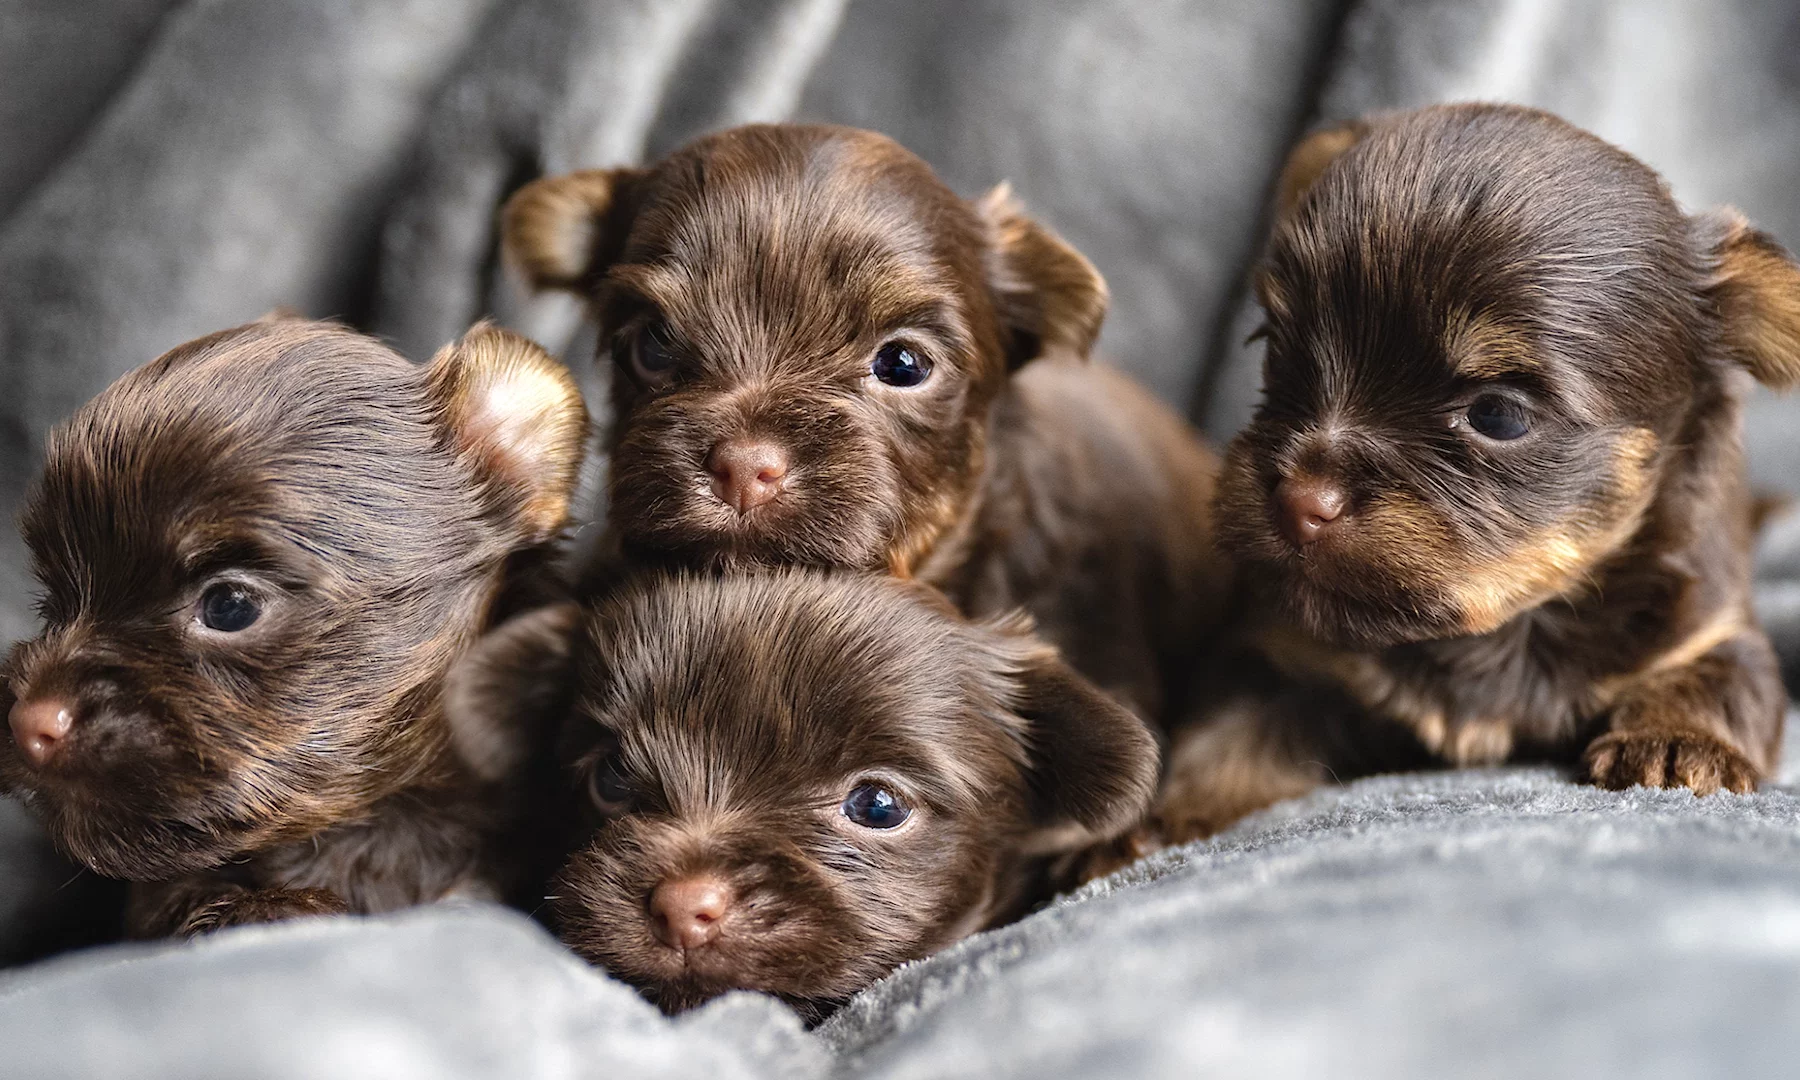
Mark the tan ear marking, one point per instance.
(1757, 286)
(517, 417)
(1045, 289)
(1308, 159)
(552, 228)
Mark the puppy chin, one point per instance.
(1341, 600)
(133, 846)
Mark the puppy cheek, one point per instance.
(1241, 505)
(1548, 562)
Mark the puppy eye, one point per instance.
(1498, 418)
(875, 807)
(897, 365)
(228, 608)
(652, 357)
(608, 788)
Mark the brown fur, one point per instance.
(1582, 587)
(381, 514)
(740, 711)
(775, 261)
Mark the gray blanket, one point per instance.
(173, 168)
(1500, 922)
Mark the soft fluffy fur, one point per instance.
(716, 725)
(381, 514)
(772, 263)
(1579, 590)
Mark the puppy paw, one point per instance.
(1114, 855)
(1690, 759)
(262, 906)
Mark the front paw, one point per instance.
(1110, 856)
(262, 906)
(1690, 759)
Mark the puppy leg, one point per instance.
(198, 905)
(1711, 723)
(1246, 754)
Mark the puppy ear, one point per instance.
(1308, 159)
(1048, 294)
(561, 231)
(1094, 762)
(515, 415)
(503, 697)
(1756, 285)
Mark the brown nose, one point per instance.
(746, 473)
(685, 913)
(1306, 507)
(38, 726)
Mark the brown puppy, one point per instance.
(259, 554)
(797, 781)
(1492, 503)
(821, 358)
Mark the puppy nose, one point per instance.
(685, 913)
(746, 473)
(1307, 507)
(38, 726)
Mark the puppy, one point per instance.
(259, 555)
(823, 357)
(1492, 504)
(796, 781)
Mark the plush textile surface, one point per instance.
(172, 168)
(1500, 922)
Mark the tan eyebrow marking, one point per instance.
(1481, 347)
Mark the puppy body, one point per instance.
(260, 553)
(1493, 503)
(797, 781)
(824, 357)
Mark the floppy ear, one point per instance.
(503, 698)
(1094, 762)
(1756, 285)
(1308, 159)
(515, 416)
(1047, 293)
(561, 231)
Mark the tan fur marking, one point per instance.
(518, 413)
(549, 227)
(1759, 296)
(1725, 624)
(1226, 768)
(1308, 159)
(1482, 348)
(1550, 563)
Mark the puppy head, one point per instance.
(799, 781)
(807, 328)
(258, 553)
(1487, 334)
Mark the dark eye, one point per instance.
(897, 365)
(875, 807)
(1498, 418)
(228, 608)
(608, 788)
(652, 357)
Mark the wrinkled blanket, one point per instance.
(172, 167)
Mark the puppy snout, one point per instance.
(747, 473)
(686, 913)
(40, 726)
(1307, 507)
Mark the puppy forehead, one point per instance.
(793, 674)
(234, 446)
(802, 222)
(1499, 241)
